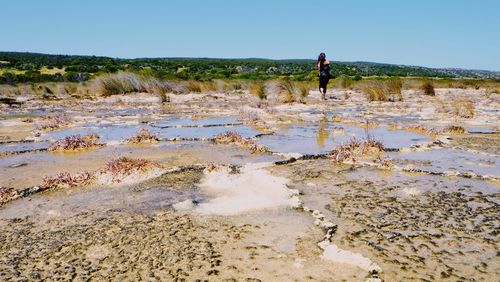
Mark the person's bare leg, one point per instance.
(322, 93)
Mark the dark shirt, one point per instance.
(324, 70)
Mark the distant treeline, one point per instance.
(16, 67)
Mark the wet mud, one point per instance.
(425, 207)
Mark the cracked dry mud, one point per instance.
(131, 233)
(161, 246)
(416, 226)
(124, 246)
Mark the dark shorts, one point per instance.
(323, 81)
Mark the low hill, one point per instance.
(34, 67)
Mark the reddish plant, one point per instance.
(126, 166)
(231, 137)
(356, 149)
(228, 137)
(66, 180)
(7, 194)
(76, 142)
(143, 136)
(54, 122)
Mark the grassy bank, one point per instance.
(376, 88)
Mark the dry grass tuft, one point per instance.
(375, 91)
(48, 90)
(143, 136)
(230, 86)
(303, 91)
(428, 88)
(125, 82)
(66, 180)
(9, 91)
(453, 129)
(43, 89)
(293, 91)
(288, 89)
(394, 87)
(76, 143)
(193, 86)
(440, 106)
(421, 130)
(259, 89)
(383, 91)
(463, 109)
(208, 86)
(346, 82)
(231, 137)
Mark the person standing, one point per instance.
(324, 74)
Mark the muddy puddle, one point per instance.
(114, 132)
(325, 136)
(202, 122)
(164, 128)
(22, 147)
(450, 160)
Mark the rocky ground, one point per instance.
(425, 208)
(415, 227)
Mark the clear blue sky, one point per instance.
(434, 33)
